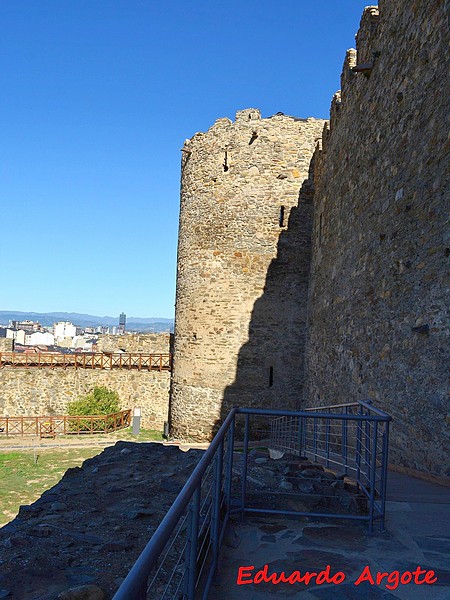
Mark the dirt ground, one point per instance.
(83, 441)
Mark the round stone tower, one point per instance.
(243, 265)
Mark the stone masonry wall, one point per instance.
(33, 392)
(379, 292)
(146, 343)
(6, 345)
(243, 263)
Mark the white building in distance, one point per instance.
(38, 338)
(64, 329)
(16, 334)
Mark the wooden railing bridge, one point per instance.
(95, 360)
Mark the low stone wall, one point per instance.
(35, 392)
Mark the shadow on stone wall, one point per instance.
(270, 366)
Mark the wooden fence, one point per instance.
(97, 360)
(64, 425)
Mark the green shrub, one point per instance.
(101, 401)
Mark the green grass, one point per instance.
(145, 435)
(26, 475)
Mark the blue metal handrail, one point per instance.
(367, 404)
(134, 587)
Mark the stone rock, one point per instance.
(115, 547)
(328, 475)
(305, 487)
(269, 538)
(138, 513)
(41, 531)
(337, 485)
(317, 466)
(83, 592)
(231, 538)
(286, 485)
(72, 472)
(114, 489)
(257, 482)
(275, 454)
(15, 542)
(309, 473)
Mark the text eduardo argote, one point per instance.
(391, 580)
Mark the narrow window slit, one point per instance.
(281, 220)
(225, 162)
(270, 376)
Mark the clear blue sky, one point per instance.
(97, 98)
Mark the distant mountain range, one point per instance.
(142, 324)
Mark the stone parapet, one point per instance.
(146, 343)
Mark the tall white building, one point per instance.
(64, 329)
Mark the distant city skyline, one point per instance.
(85, 320)
(97, 101)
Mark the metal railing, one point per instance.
(64, 425)
(350, 439)
(95, 360)
(237, 475)
(183, 554)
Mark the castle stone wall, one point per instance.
(145, 343)
(243, 263)
(6, 344)
(378, 295)
(33, 392)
